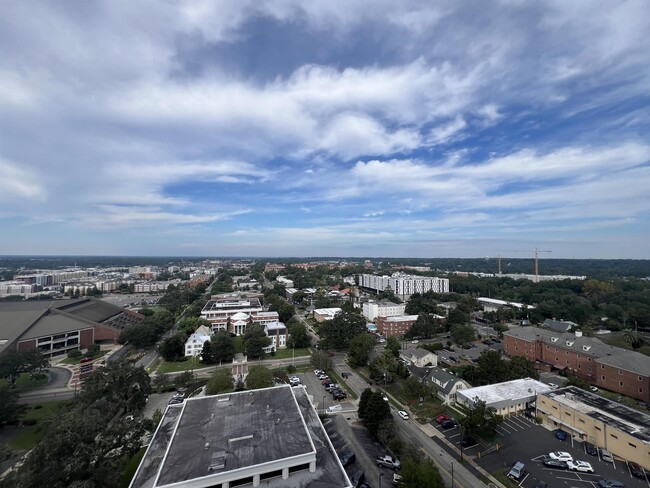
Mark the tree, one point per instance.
(420, 474)
(633, 338)
(31, 361)
(223, 347)
(393, 346)
(462, 334)
(255, 340)
(118, 384)
(479, 419)
(414, 388)
(259, 377)
(321, 360)
(184, 379)
(337, 333)
(457, 317)
(220, 382)
(189, 325)
(298, 336)
(160, 381)
(424, 327)
(360, 347)
(207, 356)
(10, 409)
(173, 348)
(375, 410)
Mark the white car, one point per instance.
(560, 456)
(403, 414)
(552, 385)
(415, 341)
(582, 466)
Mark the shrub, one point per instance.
(28, 422)
(74, 354)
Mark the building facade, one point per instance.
(404, 285)
(621, 430)
(323, 314)
(395, 326)
(419, 357)
(277, 332)
(371, 309)
(613, 368)
(195, 342)
(447, 384)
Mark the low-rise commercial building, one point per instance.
(395, 326)
(621, 430)
(613, 368)
(507, 398)
(372, 309)
(323, 314)
(270, 437)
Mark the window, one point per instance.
(620, 372)
(602, 366)
(579, 366)
(589, 359)
(589, 369)
(640, 378)
(602, 378)
(640, 390)
(620, 383)
(557, 358)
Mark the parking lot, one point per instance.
(346, 434)
(523, 440)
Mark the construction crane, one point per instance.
(536, 251)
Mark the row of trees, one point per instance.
(494, 368)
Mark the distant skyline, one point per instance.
(325, 128)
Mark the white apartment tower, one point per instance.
(403, 284)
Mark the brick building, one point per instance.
(613, 368)
(395, 326)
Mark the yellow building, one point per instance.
(623, 431)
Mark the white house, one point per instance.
(194, 343)
(323, 314)
(447, 384)
(419, 357)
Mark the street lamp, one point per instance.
(381, 475)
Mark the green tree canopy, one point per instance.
(337, 333)
(223, 347)
(424, 327)
(462, 334)
(420, 474)
(31, 361)
(373, 410)
(298, 336)
(479, 420)
(259, 377)
(360, 347)
(255, 340)
(173, 348)
(220, 382)
(10, 409)
(393, 346)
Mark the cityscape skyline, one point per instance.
(332, 129)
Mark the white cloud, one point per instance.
(17, 183)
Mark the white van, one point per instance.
(334, 408)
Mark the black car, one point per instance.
(553, 463)
(610, 484)
(448, 424)
(468, 441)
(347, 458)
(636, 470)
(591, 449)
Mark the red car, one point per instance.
(441, 418)
(325, 382)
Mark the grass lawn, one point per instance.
(288, 353)
(28, 436)
(25, 382)
(176, 366)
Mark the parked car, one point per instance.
(549, 462)
(530, 414)
(467, 441)
(387, 461)
(560, 434)
(610, 484)
(347, 458)
(581, 466)
(560, 456)
(553, 386)
(448, 424)
(403, 414)
(636, 470)
(594, 389)
(541, 484)
(414, 341)
(517, 471)
(441, 418)
(605, 455)
(591, 449)
(334, 408)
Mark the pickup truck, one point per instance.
(387, 461)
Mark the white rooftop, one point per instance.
(508, 390)
(401, 318)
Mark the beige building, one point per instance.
(623, 431)
(323, 314)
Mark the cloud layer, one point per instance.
(280, 128)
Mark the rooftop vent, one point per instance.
(217, 462)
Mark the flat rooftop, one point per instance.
(206, 438)
(613, 414)
(506, 391)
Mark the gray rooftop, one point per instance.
(558, 325)
(589, 346)
(625, 419)
(206, 437)
(417, 352)
(444, 379)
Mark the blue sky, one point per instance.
(325, 128)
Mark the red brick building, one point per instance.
(612, 368)
(395, 326)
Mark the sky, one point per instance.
(325, 128)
